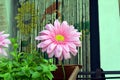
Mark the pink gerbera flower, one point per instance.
(3, 42)
(59, 40)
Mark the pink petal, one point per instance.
(72, 27)
(5, 45)
(7, 41)
(37, 38)
(44, 43)
(66, 48)
(57, 23)
(74, 39)
(57, 27)
(5, 35)
(79, 33)
(61, 57)
(2, 32)
(44, 49)
(72, 48)
(51, 47)
(78, 43)
(42, 37)
(71, 45)
(39, 45)
(45, 32)
(51, 55)
(65, 25)
(66, 55)
(49, 27)
(74, 52)
(73, 31)
(58, 51)
(2, 51)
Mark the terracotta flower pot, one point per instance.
(71, 72)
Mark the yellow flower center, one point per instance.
(59, 37)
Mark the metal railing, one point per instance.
(99, 74)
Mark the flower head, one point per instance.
(3, 42)
(59, 40)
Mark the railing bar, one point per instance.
(111, 72)
(101, 78)
(104, 72)
(86, 73)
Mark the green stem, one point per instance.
(63, 69)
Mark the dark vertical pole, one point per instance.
(94, 35)
(56, 18)
(56, 9)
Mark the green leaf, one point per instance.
(36, 75)
(25, 65)
(26, 70)
(49, 75)
(16, 64)
(43, 60)
(38, 68)
(45, 68)
(13, 40)
(10, 65)
(19, 73)
(20, 54)
(13, 54)
(15, 46)
(3, 64)
(7, 76)
(52, 67)
(1, 75)
(51, 61)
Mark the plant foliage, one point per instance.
(25, 66)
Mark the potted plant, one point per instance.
(61, 40)
(22, 65)
(71, 72)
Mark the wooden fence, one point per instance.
(75, 12)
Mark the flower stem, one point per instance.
(63, 69)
